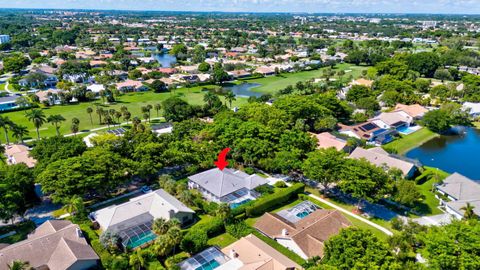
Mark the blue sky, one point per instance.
(356, 6)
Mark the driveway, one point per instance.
(437, 220)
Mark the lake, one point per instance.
(452, 153)
(165, 59)
(244, 89)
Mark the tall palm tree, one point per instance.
(149, 108)
(6, 123)
(157, 107)
(56, 119)
(108, 120)
(126, 116)
(468, 211)
(75, 121)
(74, 129)
(37, 117)
(136, 260)
(74, 205)
(145, 116)
(90, 111)
(174, 236)
(19, 132)
(230, 97)
(19, 265)
(136, 121)
(209, 97)
(100, 113)
(118, 115)
(160, 226)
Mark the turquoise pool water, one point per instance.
(235, 205)
(406, 130)
(302, 214)
(141, 240)
(209, 265)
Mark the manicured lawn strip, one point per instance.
(426, 189)
(133, 101)
(285, 251)
(222, 240)
(408, 142)
(272, 84)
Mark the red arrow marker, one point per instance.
(222, 159)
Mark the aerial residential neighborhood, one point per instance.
(239, 135)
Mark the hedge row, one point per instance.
(212, 228)
(269, 202)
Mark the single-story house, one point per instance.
(19, 153)
(54, 245)
(327, 140)
(393, 120)
(227, 185)
(416, 111)
(238, 74)
(50, 95)
(138, 214)
(265, 71)
(131, 86)
(369, 131)
(303, 229)
(162, 128)
(459, 190)
(96, 88)
(382, 158)
(249, 252)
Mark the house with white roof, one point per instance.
(473, 108)
(133, 220)
(381, 158)
(227, 185)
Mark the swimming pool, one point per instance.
(141, 240)
(407, 130)
(209, 265)
(235, 205)
(303, 214)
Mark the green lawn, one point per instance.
(222, 240)
(408, 142)
(133, 101)
(272, 84)
(429, 206)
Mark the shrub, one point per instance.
(280, 184)
(212, 228)
(194, 241)
(264, 189)
(271, 201)
(155, 265)
(249, 170)
(238, 229)
(171, 262)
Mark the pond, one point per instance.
(244, 89)
(452, 153)
(165, 59)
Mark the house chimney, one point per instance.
(233, 254)
(284, 232)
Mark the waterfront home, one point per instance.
(303, 229)
(227, 185)
(416, 111)
(327, 140)
(382, 158)
(8, 103)
(248, 252)
(459, 190)
(54, 245)
(19, 153)
(472, 108)
(370, 132)
(393, 120)
(133, 220)
(265, 71)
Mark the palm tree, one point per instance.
(56, 119)
(158, 107)
(118, 115)
(163, 245)
(136, 121)
(149, 108)
(37, 117)
(230, 97)
(19, 265)
(174, 236)
(469, 213)
(174, 223)
(224, 212)
(19, 132)
(126, 116)
(137, 261)
(75, 121)
(124, 109)
(90, 111)
(74, 129)
(209, 97)
(108, 120)
(6, 123)
(160, 226)
(145, 116)
(74, 205)
(100, 112)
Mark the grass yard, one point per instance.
(133, 101)
(408, 142)
(429, 205)
(272, 84)
(222, 240)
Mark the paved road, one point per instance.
(383, 229)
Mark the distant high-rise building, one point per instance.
(4, 39)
